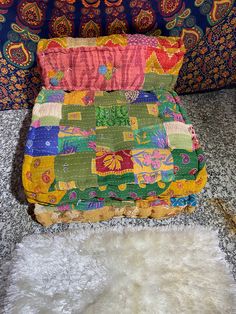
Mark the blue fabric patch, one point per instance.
(183, 201)
(102, 69)
(145, 96)
(89, 205)
(42, 141)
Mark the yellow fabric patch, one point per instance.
(115, 39)
(48, 215)
(153, 65)
(74, 115)
(93, 166)
(80, 42)
(51, 73)
(161, 184)
(142, 185)
(122, 187)
(52, 198)
(183, 188)
(38, 173)
(172, 40)
(66, 185)
(128, 136)
(152, 109)
(76, 98)
(149, 165)
(44, 43)
(102, 187)
(133, 123)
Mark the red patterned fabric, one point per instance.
(113, 62)
(116, 163)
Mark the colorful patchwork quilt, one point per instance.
(108, 135)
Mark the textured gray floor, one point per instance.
(214, 117)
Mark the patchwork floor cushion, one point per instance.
(108, 135)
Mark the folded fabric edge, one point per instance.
(48, 215)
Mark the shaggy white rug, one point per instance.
(138, 270)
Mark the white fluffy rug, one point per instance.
(166, 271)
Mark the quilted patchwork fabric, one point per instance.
(115, 62)
(92, 156)
(108, 135)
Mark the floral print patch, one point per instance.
(152, 165)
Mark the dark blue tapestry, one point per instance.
(207, 27)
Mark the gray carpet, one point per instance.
(214, 117)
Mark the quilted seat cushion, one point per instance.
(98, 146)
(108, 135)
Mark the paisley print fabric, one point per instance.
(206, 27)
(92, 155)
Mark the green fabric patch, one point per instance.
(143, 116)
(109, 99)
(112, 116)
(169, 107)
(73, 144)
(35, 118)
(78, 116)
(180, 141)
(184, 115)
(49, 121)
(114, 138)
(76, 167)
(185, 164)
(150, 137)
(154, 81)
(201, 158)
(116, 179)
(132, 191)
(48, 95)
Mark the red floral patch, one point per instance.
(115, 163)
